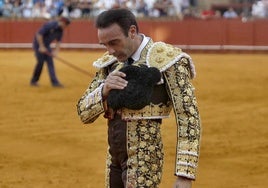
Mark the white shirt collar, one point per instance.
(137, 54)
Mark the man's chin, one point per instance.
(120, 59)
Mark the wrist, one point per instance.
(103, 94)
(183, 178)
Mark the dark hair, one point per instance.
(123, 17)
(66, 20)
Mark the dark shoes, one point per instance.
(34, 84)
(59, 85)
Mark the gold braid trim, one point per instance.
(151, 111)
(163, 56)
(104, 60)
(187, 119)
(107, 172)
(91, 104)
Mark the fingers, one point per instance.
(182, 182)
(54, 53)
(114, 80)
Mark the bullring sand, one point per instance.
(43, 144)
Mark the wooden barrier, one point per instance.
(218, 32)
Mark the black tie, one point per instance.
(130, 61)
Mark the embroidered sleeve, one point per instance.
(91, 104)
(187, 116)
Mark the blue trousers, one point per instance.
(41, 59)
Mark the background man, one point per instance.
(48, 33)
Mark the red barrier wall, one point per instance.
(187, 32)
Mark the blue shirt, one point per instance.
(50, 31)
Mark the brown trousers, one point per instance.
(118, 150)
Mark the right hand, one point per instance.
(115, 80)
(42, 49)
(182, 182)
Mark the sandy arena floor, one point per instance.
(43, 144)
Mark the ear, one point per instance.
(132, 31)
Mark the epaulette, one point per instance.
(104, 61)
(163, 56)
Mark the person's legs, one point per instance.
(51, 71)
(135, 154)
(38, 68)
(117, 151)
(116, 177)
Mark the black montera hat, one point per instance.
(137, 94)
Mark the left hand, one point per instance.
(54, 53)
(182, 182)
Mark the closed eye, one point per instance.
(111, 43)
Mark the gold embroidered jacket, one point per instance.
(177, 70)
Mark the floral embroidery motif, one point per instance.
(145, 151)
(90, 105)
(187, 117)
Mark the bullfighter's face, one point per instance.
(117, 43)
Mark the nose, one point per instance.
(110, 50)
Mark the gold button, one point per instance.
(159, 59)
(159, 50)
(170, 54)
